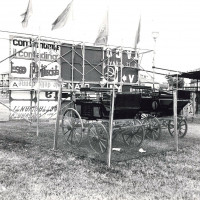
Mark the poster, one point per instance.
(31, 57)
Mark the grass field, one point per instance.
(30, 169)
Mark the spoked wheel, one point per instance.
(133, 133)
(181, 127)
(98, 137)
(72, 127)
(152, 128)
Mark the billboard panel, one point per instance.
(96, 65)
(22, 109)
(24, 104)
(30, 54)
(27, 84)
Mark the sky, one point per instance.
(177, 21)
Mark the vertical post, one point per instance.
(194, 95)
(196, 98)
(73, 67)
(103, 63)
(55, 145)
(83, 54)
(155, 36)
(31, 82)
(108, 64)
(111, 126)
(153, 78)
(175, 118)
(31, 105)
(38, 89)
(121, 68)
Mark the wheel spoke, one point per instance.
(72, 126)
(66, 132)
(98, 137)
(102, 146)
(136, 138)
(93, 131)
(69, 135)
(102, 143)
(127, 138)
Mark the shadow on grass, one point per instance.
(125, 153)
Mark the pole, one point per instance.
(121, 68)
(55, 145)
(38, 90)
(153, 66)
(73, 67)
(153, 79)
(196, 99)
(155, 35)
(194, 94)
(175, 118)
(83, 54)
(111, 126)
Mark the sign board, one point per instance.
(22, 109)
(30, 54)
(89, 64)
(28, 95)
(27, 84)
(24, 104)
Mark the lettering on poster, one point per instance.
(20, 112)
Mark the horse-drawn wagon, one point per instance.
(137, 114)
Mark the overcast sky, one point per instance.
(177, 21)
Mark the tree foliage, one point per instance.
(172, 81)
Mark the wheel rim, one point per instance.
(181, 127)
(134, 135)
(72, 127)
(152, 128)
(98, 137)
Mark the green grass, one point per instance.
(30, 169)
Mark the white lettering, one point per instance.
(109, 53)
(131, 77)
(118, 53)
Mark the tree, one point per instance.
(172, 81)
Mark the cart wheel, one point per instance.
(181, 127)
(72, 127)
(98, 137)
(152, 128)
(135, 135)
(69, 105)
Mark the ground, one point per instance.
(31, 169)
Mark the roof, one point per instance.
(190, 75)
